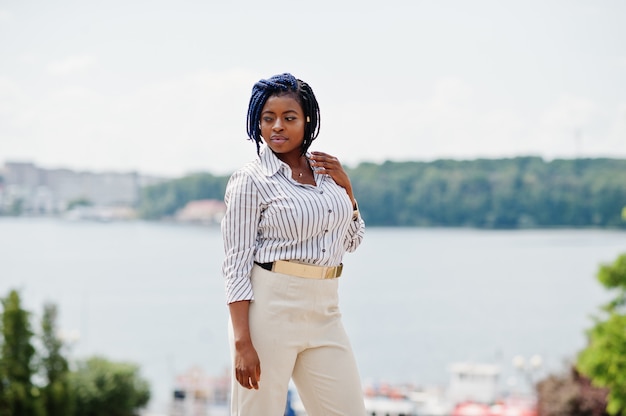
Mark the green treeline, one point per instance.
(164, 199)
(596, 383)
(493, 193)
(519, 192)
(37, 379)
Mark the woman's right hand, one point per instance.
(247, 365)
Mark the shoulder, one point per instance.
(248, 171)
(245, 179)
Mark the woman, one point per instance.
(290, 217)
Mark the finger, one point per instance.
(324, 164)
(243, 379)
(319, 156)
(327, 164)
(245, 382)
(324, 156)
(256, 378)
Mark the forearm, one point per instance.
(246, 361)
(239, 312)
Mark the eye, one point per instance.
(267, 119)
(290, 118)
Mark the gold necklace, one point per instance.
(302, 172)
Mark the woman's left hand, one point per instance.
(329, 165)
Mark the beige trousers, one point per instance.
(296, 328)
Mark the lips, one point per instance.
(278, 139)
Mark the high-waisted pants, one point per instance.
(296, 328)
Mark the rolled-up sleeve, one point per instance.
(354, 234)
(239, 230)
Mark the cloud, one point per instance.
(559, 130)
(617, 131)
(569, 112)
(446, 123)
(452, 122)
(6, 15)
(16, 113)
(190, 123)
(196, 121)
(10, 94)
(71, 64)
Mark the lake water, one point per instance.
(413, 300)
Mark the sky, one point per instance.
(162, 87)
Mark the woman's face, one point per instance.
(282, 124)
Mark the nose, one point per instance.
(278, 124)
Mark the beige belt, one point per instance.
(308, 271)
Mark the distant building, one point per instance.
(25, 174)
(22, 187)
(473, 382)
(102, 189)
(38, 191)
(205, 211)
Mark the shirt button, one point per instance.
(323, 250)
(325, 231)
(330, 211)
(321, 192)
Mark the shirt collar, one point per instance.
(270, 163)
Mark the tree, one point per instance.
(18, 395)
(98, 388)
(56, 394)
(520, 192)
(164, 199)
(604, 359)
(16, 208)
(105, 388)
(79, 202)
(570, 394)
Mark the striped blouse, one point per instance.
(270, 216)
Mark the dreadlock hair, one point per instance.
(283, 84)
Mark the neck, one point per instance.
(295, 162)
